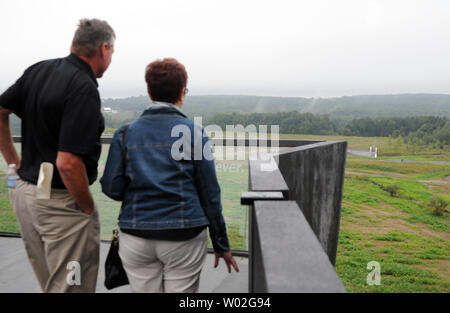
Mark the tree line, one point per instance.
(417, 130)
(346, 108)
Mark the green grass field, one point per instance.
(411, 244)
(387, 148)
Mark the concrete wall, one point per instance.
(287, 255)
(315, 176)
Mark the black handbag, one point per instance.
(115, 275)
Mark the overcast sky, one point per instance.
(275, 48)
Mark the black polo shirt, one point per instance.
(60, 108)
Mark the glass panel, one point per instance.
(108, 208)
(8, 221)
(233, 179)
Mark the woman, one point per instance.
(170, 193)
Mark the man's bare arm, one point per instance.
(6, 142)
(74, 176)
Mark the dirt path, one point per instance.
(441, 267)
(390, 221)
(370, 173)
(416, 161)
(443, 185)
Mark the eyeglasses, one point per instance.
(186, 91)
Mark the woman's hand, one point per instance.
(229, 260)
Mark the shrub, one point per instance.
(393, 190)
(437, 206)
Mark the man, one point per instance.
(59, 105)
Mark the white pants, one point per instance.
(162, 265)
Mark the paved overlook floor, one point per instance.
(16, 274)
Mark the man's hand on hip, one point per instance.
(73, 174)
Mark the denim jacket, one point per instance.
(163, 183)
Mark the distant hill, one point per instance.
(341, 109)
(348, 107)
(402, 105)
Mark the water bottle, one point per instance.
(12, 176)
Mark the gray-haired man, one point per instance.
(59, 105)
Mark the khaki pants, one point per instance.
(62, 242)
(162, 265)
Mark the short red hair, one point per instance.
(165, 80)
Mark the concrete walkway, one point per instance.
(16, 274)
(363, 153)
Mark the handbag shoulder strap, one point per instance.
(124, 159)
(124, 145)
